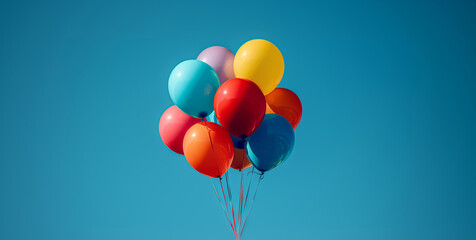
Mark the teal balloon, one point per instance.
(238, 143)
(192, 87)
(271, 144)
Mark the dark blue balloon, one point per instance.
(238, 143)
(271, 144)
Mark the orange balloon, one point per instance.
(240, 160)
(269, 110)
(208, 148)
(286, 103)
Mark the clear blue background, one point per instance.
(386, 148)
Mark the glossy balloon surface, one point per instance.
(240, 107)
(172, 128)
(208, 149)
(271, 144)
(261, 62)
(237, 142)
(192, 87)
(240, 160)
(221, 60)
(286, 103)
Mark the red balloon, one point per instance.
(240, 107)
(172, 127)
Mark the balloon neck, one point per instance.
(203, 114)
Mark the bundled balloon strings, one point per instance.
(221, 204)
(240, 210)
(230, 198)
(246, 199)
(226, 202)
(252, 201)
(240, 214)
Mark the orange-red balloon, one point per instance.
(240, 160)
(286, 103)
(208, 148)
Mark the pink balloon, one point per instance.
(221, 60)
(172, 128)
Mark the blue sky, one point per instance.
(385, 149)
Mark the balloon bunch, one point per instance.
(229, 113)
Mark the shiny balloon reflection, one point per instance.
(271, 144)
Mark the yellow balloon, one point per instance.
(261, 62)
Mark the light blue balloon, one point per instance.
(192, 87)
(213, 118)
(271, 144)
(238, 143)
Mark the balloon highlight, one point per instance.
(271, 144)
(221, 60)
(261, 62)
(286, 103)
(208, 148)
(172, 128)
(192, 87)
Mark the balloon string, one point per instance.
(222, 207)
(230, 199)
(211, 144)
(251, 204)
(249, 185)
(240, 213)
(241, 199)
(226, 204)
(247, 193)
